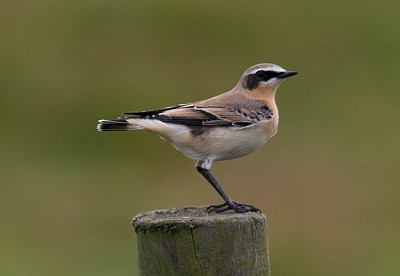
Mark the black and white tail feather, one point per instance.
(119, 124)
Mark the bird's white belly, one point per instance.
(212, 143)
(224, 143)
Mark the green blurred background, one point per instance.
(328, 182)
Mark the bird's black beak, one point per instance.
(287, 74)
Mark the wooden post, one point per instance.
(189, 241)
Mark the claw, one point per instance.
(235, 206)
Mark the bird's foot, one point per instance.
(235, 206)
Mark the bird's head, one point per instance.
(266, 75)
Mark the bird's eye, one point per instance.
(261, 74)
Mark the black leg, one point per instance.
(229, 204)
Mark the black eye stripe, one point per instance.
(266, 75)
(251, 81)
(261, 74)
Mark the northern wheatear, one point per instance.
(226, 126)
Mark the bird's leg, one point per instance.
(204, 169)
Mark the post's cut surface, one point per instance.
(190, 241)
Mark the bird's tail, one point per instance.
(116, 125)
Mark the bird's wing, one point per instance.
(237, 116)
(180, 114)
(213, 115)
(237, 111)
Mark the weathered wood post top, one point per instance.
(191, 241)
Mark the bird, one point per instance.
(230, 125)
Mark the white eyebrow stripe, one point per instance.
(269, 68)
